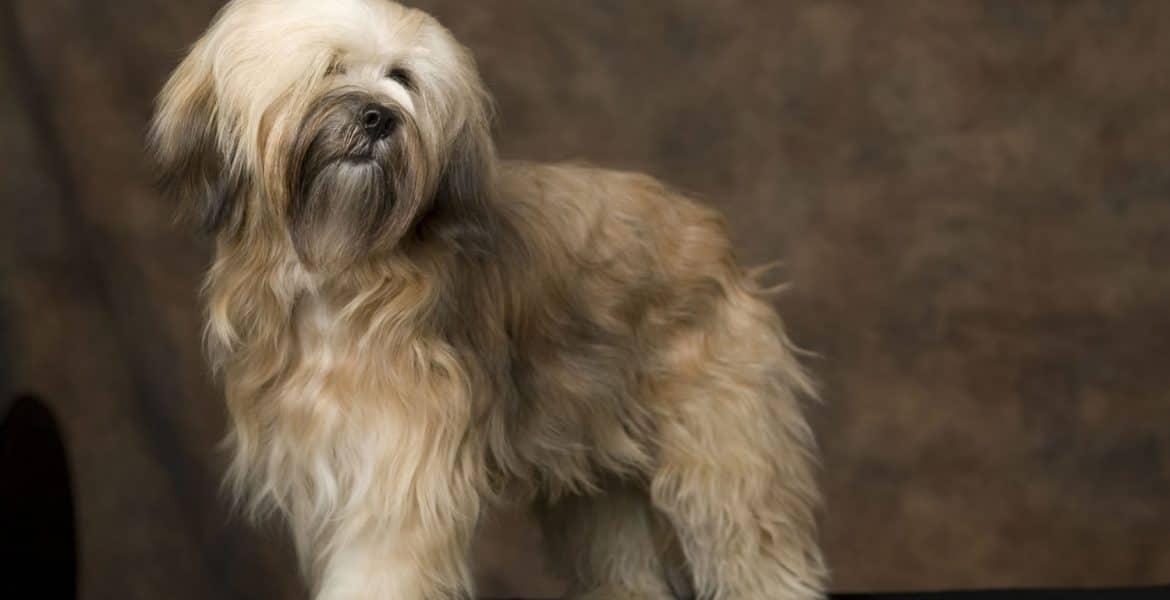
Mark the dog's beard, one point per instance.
(341, 211)
(350, 195)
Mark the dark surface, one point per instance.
(972, 199)
(1147, 593)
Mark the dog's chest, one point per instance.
(315, 332)
(323, 362)
(339, 362)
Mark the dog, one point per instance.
(409, 329)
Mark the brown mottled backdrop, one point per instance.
(971, 197)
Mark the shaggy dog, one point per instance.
(408, 328)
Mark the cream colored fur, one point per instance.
(406, 336)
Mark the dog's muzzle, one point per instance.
(352, 184)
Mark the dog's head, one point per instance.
(335, 124)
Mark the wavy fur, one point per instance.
(409, 328)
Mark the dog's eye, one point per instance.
(402, 76)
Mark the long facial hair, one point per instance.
(350, 195)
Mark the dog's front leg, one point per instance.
(417, 556)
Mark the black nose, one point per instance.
(377, 121)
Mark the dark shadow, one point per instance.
(38, 550)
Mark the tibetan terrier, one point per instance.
(409, 328)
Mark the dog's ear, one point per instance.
(189, 154)
(468, 173)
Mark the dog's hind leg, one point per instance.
(606, 545)
(734, 459)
